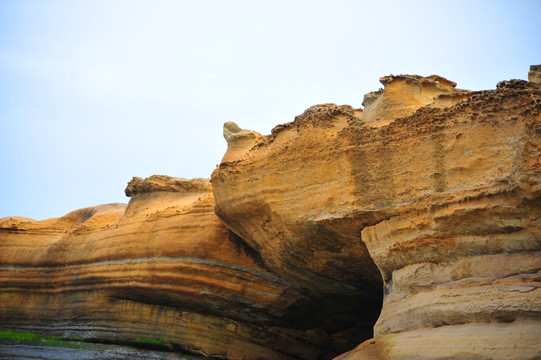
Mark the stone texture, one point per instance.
(518, 340)
(444, 192)
(534, 75)
(163, 183)
(404, 94)
(301, 195)
(162, 268)
(429, 198)
(239, 141)
(461, 261)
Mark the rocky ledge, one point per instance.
(163, 183)
(411, 227)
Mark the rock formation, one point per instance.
(445, 196)
(534, 75)
(163, 268)
(460, 257)
(428, 199)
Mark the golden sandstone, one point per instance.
(411, 227)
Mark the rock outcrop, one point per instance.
(424, 206)
(163, 268)
(445, 196)
(162, 183)
(461, 259)
(405, 94)
(534, 75)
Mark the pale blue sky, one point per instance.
(95, 92)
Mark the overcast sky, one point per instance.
(95, 92)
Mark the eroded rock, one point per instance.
(429, 198)
(461, 258)
(444, 192)
(534, 75)
(163, 268)
(402, 95)
(239, 141)
(163, 183)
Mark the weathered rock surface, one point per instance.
(534, 75)
(405, 94)
(429, 198)
(96, 352)
(301, 196)
(163, 268)
(445, 195)
(460, 256)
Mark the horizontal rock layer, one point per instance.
(443, 194)
(162, 268)
(429, 198)
(462, 263)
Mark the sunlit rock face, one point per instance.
(302, 195)
(439, 187)
(534, 75)
(413, 223)
(163, 268)
(460, 247)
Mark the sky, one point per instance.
(94, 92)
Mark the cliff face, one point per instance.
(164, 268)
(461, 259)
(301, 196)
(429, 198)
(445, 197)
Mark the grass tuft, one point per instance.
(15, 335)
(148, 341)
(18, 337)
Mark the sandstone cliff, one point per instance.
(445, 196)
(163, 268)
(428, 199)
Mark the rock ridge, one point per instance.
(156, 183)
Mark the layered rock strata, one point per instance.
(163, 268)
(429, 197)
(301, 196)
(461, 259)
(443, 194)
